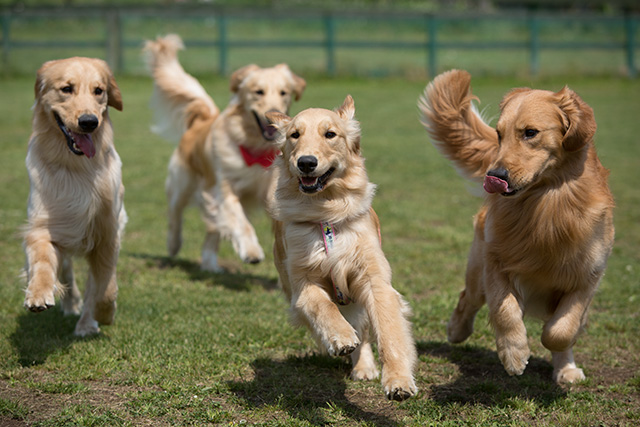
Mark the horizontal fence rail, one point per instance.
(430, 35)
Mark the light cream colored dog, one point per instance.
(328, 251)
(76, 204)
(222, 158)
(545, 233)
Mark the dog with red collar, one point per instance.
(223, 158)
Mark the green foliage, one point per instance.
(191, 348)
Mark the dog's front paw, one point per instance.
(399, 388)
(254, 256)
(39, 301)
(343, 345)
(360, 373)
(568, 375)
(514, 359)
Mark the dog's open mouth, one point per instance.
(314, 184)
(78, 143)
(269, 132)
(493, 184)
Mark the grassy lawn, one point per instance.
(190, 348)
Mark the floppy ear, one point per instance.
(298, 84)
(239, 75)
(348, 109)
(40, 80)
(580, 123)
(277, 119)
(114, 97)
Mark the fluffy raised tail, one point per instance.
(179, 101)
(455, 126)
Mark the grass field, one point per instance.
(190, 348)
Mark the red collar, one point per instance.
(263, 158)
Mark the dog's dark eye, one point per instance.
(67, 89)
(295, 135)
(259, 92)
(330, 134)
(283, 93)
(98, 91)
(530, 133)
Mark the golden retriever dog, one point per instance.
(76, 204)
(327, 247)
(545, 232)
(222, 158)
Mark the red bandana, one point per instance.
(263, 158)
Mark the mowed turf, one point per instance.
(192, 348)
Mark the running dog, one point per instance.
(327, 247)
(222, 158)
(545, 232)
(76, 204)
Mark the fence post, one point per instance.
(222, 43)
(630, 34)
(432, 45)
(114, 41)
(330, 28)
(534, 43)
(6, 39)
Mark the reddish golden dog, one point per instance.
(76, 202)
(545, 232)
(327, 247)
(223, 157)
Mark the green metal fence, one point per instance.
(329, 42)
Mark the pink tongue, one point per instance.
(494, 184)
(84, 143)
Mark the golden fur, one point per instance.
(76, 194)
(545, 232)
(322, 178)
(208, 161)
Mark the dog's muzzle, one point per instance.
(308, 182)
(80, 143)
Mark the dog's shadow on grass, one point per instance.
(484, 381)
(39, 335)
(231, 278)
(310, 389)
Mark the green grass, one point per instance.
(190, 348)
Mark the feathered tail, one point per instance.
(455, 126)
(179, 101)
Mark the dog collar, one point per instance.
(263, 158)
(329, 236)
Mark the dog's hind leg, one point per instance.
(180, 186)
(71, 299)
(472, 298)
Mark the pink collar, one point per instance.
(263, 158)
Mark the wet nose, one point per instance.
(307, 164)
(501, 173)
(88, 122)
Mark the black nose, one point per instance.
(501, 173)
(88, 122)
(307, 164)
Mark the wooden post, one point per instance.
(114, 41)
(222, 44)
(330, 43)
